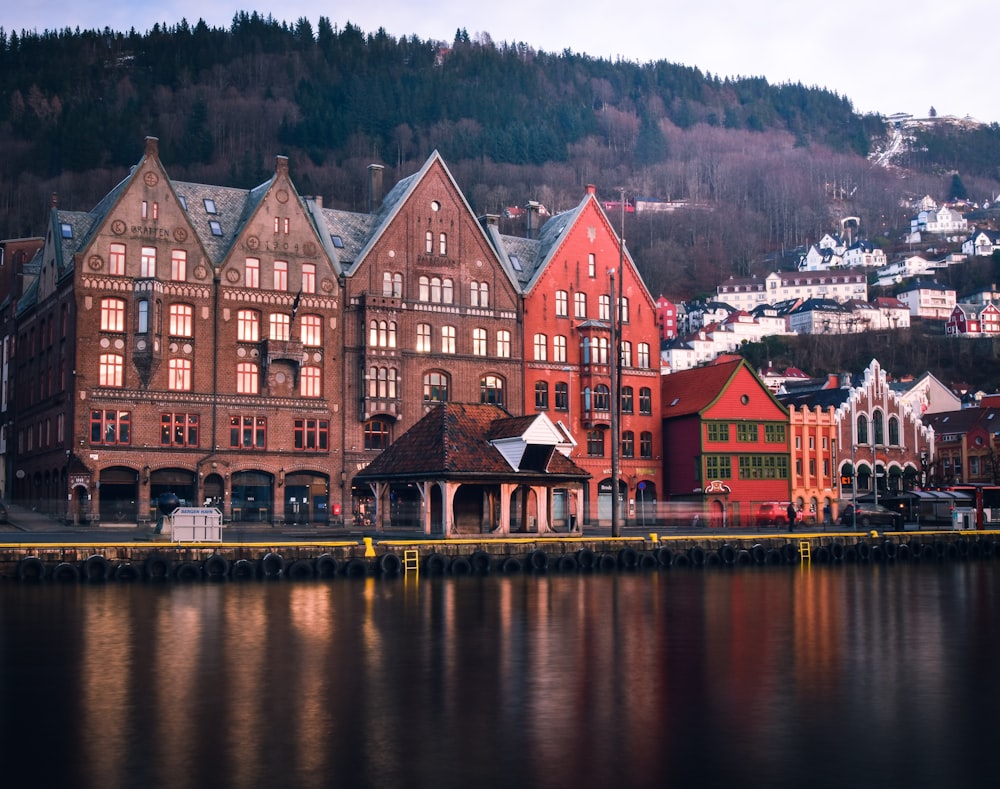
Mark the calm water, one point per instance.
(859, 676)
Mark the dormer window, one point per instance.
(210, 206)
(66, 230)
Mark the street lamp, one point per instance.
(615, 527)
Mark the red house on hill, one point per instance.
(725, 443)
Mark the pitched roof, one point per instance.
(692, 391)
(455, 440)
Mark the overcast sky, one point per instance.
(884, 56)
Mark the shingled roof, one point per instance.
(692, 391)
(456, 441)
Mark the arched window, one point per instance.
(541, 395)
(392, 284)
(436, 387)
(862, 429)
(443, 243)
(247, 378)
(480, 294)
(423, 338)
(602, 398)
(491, 390)
(894, 431)
(479, 342)
(142, 316)
(627, 398)
(378, 433)
(595, 443)
(646, 444)
(878, 427)
(562, 396)
(429, 242)
(541, 347)
(448, 335)
(625, 353)
(628, 444)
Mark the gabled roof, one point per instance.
(692, 391)
(464, 440)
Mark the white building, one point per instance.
(748, 293)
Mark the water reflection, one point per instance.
(853, 676)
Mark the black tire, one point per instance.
(697, 554)
(126, 572)
(390, 565)
(628, 559)
(567, 563)
(648, 561)
(187, 571)
(789, 553)
(511, 566)
(30, 568)
(864, 551)
(890, 549)
(665, 556)
(157, 567)
(242, 570)
(301, 570)
(326, 566)
(356, 568)
(65, 573)
(821, 555)
(96, 569)
(712, 559)
(758, 553)
(743, 557)
(481, 562)
(272, 565)
(837, 551)
(878, 554)
(772, 556)
(681, 560)
(728, 555)
(461, 565)
(538, 560)
(586, 558)
(607, 562)
(437, 564)
(215, 567)
(903, 552)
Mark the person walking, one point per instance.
(791, 513)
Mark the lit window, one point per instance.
(147, 263)
(247, 378)
(559, 348)
(604, 307)
(423, 338)
(382, 382)
(562, 304)
(424, 292)
(179, 375)
(479, 342)
(111, 370)
(116, 260)
(643, 352)
(443, 244)
(281, 275)
(311, 330)
(280, 327)
(503, 344)
(580, 305)
(541, 347)
(181, 318)
(310, 383)
(447, 291)
(112, 315)
(252, 269)
(178, 265)
(428, 242)
(248, 326)
(479, 294)
(436, 387)
(308, 277)
(592, 264)
(447, 339)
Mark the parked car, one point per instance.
(772, 513)
(871, 515)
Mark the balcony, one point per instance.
(286, 350)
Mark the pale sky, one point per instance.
(884, 56)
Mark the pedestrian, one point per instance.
(791, 513)
(827, 515)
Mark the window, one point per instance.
(602, 398)
(424, 288)
(247, 378)
(311, 331)
(579, 305)
(862, 429)
(248, 432)
(718, 431)
(718, 467)
(775, 434)
(423, 338)
(643, 355)
(281, 275)
(479, 295)
(248, 326)
(147, 263)
(491, 390)
(280, 327)
(595, 443)
(628, 444)
(646, 401)
(442, 244)
(111, 370)
(377, 433)
(562, 304)
(894, 431)
(116, 260)
(746, 432)
(112, 315)
(562, 396)
(503, 344)
(310, 381)
(623, 309)
(592, 265)
(559, 348)
(179, 375)
(311, 434)
(179, 430)
(604, 307)
(282, 224)
(479, 342)
(646, 444)
(381, 334)
(252, 273)
(392, 284)
(178, 265)
(541, 395)
(541, 347)
(429, 242)
(308, 277)
(142, 316)
(625, 354)
(110, 427)
(215, 228)
(447, 339)
(436, 387)
(210, 206)
(382, 382)
(627, 400)
(181, 319)
(878, 427)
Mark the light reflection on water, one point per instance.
(831, 677)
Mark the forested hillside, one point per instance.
(763, 168)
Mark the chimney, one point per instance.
(591, 189)
(374, 187)
(490, 220)
(153, 146)
(281, 165)
(530, 210)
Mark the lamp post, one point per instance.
(615, 526)
(854, 488)
(875, 474)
